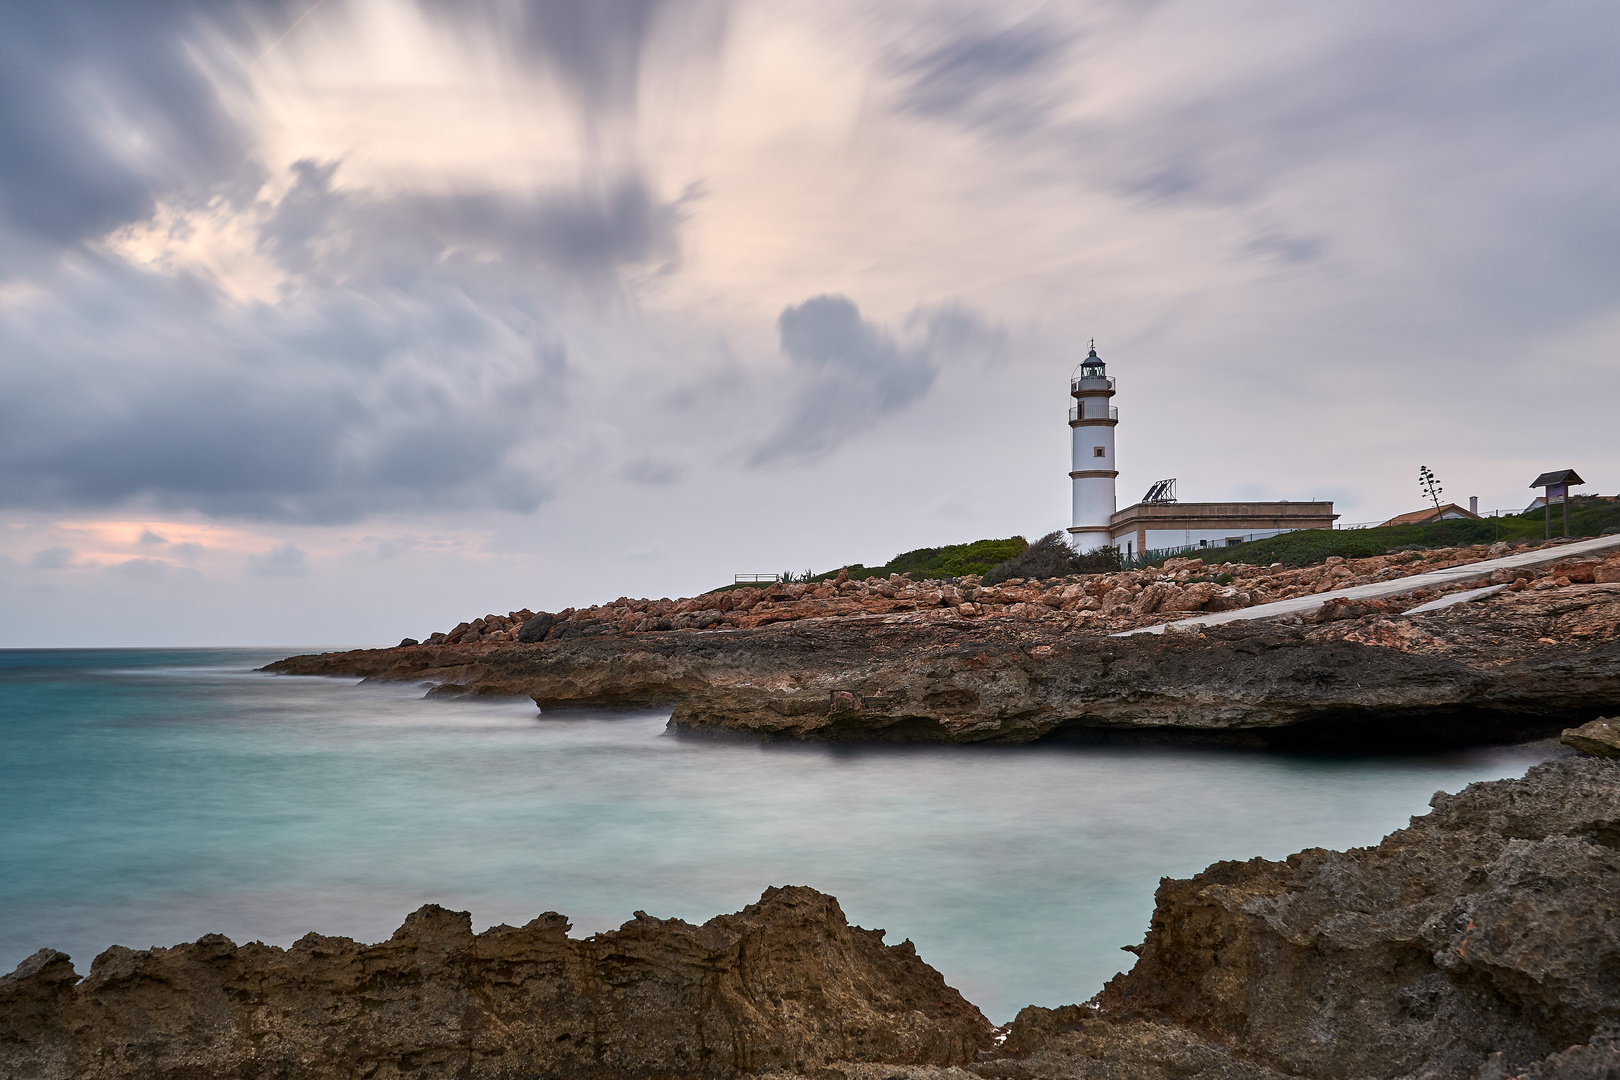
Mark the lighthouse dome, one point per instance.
(1092, 367)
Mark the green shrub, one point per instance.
(1050, 557)
(950, 561)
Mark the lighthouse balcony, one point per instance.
(1094, 414)
(1093, 384)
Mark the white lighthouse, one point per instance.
(1092, 471)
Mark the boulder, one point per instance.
(1229, 598)
(1578, 571)
(1153, 596)
(1115, 598)
(581, 628)
(407, 642)
(1600, 738)
(1345, 607)
(535, 629)
(1191, 598)
(699, 620)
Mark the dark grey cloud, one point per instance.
(133, 386)
(849, 373)
(103, 109)
(586, 234)
(411, 363)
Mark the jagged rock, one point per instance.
(534, 629)
(1348, 608)
(1076, 1042)
(1153, 597)
(1191, 598)
(405, 643)
(581, 628)
(785, 983)
(1488, 927)
(1599, 738)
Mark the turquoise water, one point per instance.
(151, 796)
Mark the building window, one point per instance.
(1233, 541)
(1099, 451)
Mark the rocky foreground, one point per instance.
(1480, 943)
(909, 667)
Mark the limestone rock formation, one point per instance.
(1518, 665)
(1483, 940)
(784, 984)
(1600, 737)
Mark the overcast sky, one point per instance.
(328, 323)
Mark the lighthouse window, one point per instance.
(1099, 451)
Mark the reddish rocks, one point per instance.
(1096, 602)
(1349, 608)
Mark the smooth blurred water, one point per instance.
(151, 796)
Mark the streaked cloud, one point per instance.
(501, 288)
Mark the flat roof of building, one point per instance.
(1226, 515)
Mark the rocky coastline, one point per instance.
(901, 661)
(1482, 942)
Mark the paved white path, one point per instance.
(1433, 579)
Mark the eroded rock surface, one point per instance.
(1520, 664)
(784, 984)
(1483, 940)
(1600, 737)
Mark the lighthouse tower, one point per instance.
(1091, 422)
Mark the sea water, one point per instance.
(148, 797)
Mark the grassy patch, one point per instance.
(952, 560)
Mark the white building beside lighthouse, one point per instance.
(1159, 523)
(1091, 470)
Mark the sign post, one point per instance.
(1557, 485)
